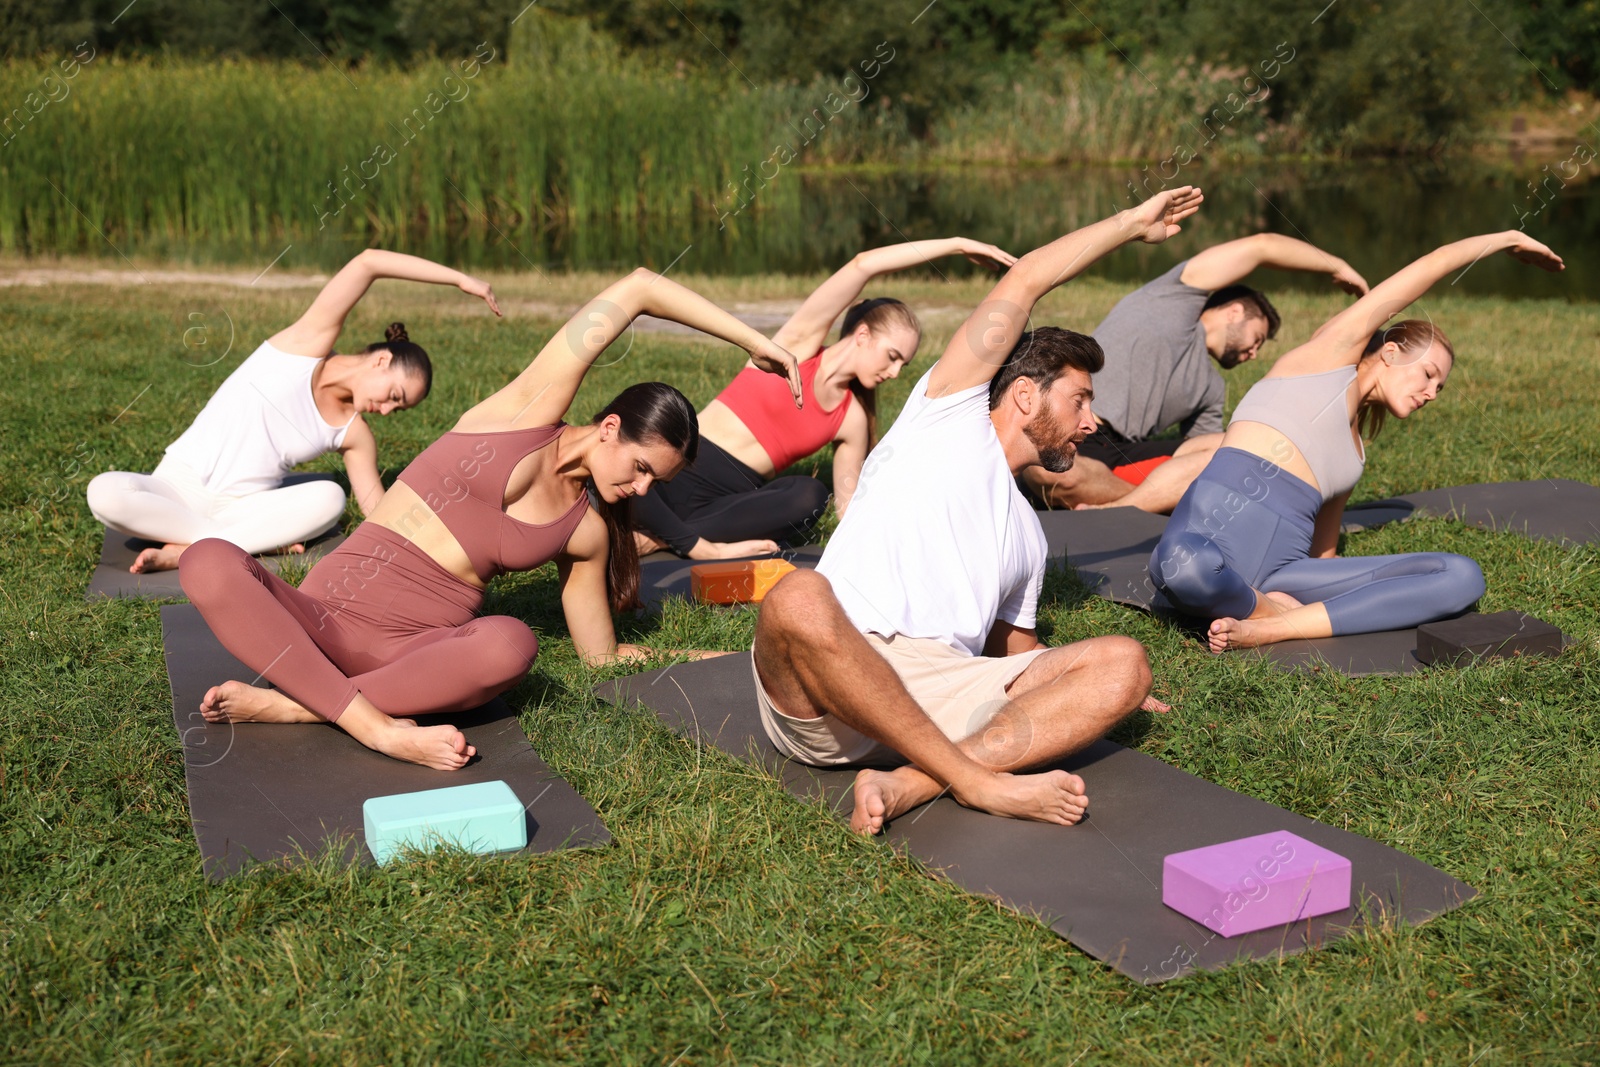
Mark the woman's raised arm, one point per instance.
(315, 332)
(1341, 340)
(542, 393)
(807, 329)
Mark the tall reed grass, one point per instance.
(561, 129)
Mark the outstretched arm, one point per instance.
(982, 343)
(314, 333)
(807, 329)
(1340, 341)
(1222, 265)
(360, 454)
(541, 394)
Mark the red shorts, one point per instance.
(1136, 473)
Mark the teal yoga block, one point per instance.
(483, 817)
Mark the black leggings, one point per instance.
(720, 499)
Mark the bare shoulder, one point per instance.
(590, 540)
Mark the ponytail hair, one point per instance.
(879, 313)
(405, 354)
(649, 412)
(1413, 337)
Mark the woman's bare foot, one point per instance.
(1283, 600)
(704, 549)
(644, 544)
(164, 558)
(1049, 796)
(444, 748)
(1267, 627)
(881, 796)
(237, 702)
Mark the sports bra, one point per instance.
(1311, 411)
(764, 404)
(462, 478)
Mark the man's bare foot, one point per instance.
(237, 702)
(164, 558)
(1049, 796)
(881, 796)
(444, 748)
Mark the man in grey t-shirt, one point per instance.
(1160, 342)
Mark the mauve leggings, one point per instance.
(376, 616)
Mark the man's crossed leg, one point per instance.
(811, 662)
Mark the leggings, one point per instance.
(720, 499)
(1246, 525)
(172, 507)
(376, 616)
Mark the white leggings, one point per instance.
(172, 507)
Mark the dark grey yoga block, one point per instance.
(1458, 642)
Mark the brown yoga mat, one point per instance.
(1097, 884)
(117, 553)
(276, 793)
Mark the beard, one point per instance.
(1045, 434)
(1233, 346)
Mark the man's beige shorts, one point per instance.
(960, 693)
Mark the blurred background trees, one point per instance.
(1369, 76)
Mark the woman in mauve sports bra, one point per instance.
(732, 502)
(1253, 544)
(387, 626)
(290, 401)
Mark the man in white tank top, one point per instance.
(913, 642)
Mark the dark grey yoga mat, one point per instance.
(1109, 548)
(117, 553)
(662, 575)
(1555, 509)
(275, 793)
(1097, 884)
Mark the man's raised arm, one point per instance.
(1223, 265)
(982, 343)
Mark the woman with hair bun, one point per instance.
(1253, 544)
(735, 501)
(386, 625)
(292, 400)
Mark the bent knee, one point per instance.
(800, 607)
(1129, 662)
(105, 495)
(1466, 580)
(1189, 568)
(508, 647)
(208, 569)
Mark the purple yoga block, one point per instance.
(1255, 882)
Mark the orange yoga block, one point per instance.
(745, 582)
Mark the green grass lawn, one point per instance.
(730, 922)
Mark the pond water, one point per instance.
(1378, 215)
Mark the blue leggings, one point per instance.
(1246, 525)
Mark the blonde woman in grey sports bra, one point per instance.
(1253, 544)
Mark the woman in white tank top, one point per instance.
(292, 400)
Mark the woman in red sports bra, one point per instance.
(386, 625)
(732, 501)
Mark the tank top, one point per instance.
(462, 478)
(764, 404)
(260, 424)
(1310, 410)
